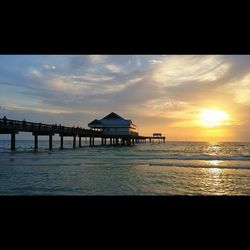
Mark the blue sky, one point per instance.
(158, 92)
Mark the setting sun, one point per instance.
(212, 118)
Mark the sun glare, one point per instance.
(212, 117)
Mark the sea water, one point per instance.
(171, 168)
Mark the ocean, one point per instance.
(171, 168)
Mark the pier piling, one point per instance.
(13, 142)
(80, 141)
(61, 146)
(36, 141)
(50, 142)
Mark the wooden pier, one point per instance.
(13, 127)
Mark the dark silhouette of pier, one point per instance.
(13, 127)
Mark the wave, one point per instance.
(186, 157)
(197, 166)
(207, 157)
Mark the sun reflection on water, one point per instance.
(213, 177)
(215, 163)
(214, 148)
(214, 168)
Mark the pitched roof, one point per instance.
(112, 116)
(95, 122)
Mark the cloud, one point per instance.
(49, 67)
(155, 61)
(180, 69)
(153, 88)
(35, 73)
(96, 59)
(203, 78)
(14, 107)
(113, 68)
(240, 90)
(92, 78)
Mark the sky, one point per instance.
(160, 93)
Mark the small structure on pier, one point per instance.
(156, 134)
(114, 125)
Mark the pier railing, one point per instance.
(24, 126)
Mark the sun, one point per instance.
(212, 117)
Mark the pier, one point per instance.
(13, 127)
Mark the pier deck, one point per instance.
(13, 127)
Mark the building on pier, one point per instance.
(114, 125)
